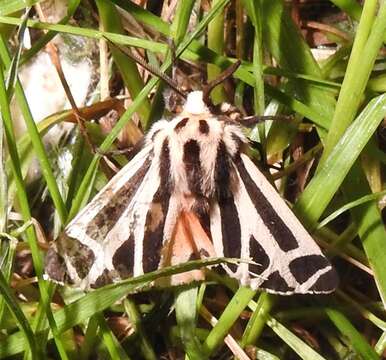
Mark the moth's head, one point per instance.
(195, 103)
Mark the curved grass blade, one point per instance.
(356, 340)
(135, 318)
(350, 205)
(327, 181)
(25, 210)
(100, 299)
(128, 69)
(22, 321)
(297, 345)
(36, 140)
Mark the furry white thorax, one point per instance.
(195, 104)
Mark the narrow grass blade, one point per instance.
(254, 11)
(356, 340)
(135, 317)
(380, 346)
(358, 72)
(186, 315)
(297, 345)
(25, 210)
(22, 321)
(13, 69)
(350, 205)
(231, 313)
(100, 299)
(11, 6)
(111, 22)
(112, 344)
(285, 43)
(36, 140)
(258, 319)
(333, 171)
(90, 338)
(216, 42)
(351, 7)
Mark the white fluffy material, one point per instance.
(195, 104)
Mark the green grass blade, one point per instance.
(100, 299)
(111, 22)
(24, 325)
(3, 182)
(231, 313)
(351, 7)
(285, 43)
(13, 69)
(311, 204)
(356, 340)
(135, 318)
(297, 345)
(254, 11)
(380, 346)
(36, 141)
(258, 319)
(90, 338)
(186, 315)
(358, 71)
(12, 6)
(350, 205)
(216, 42)
(25, 210)
(112, 344)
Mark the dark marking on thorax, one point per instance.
(164, 168)
(191, 159)
(203, 127)
(181, 124)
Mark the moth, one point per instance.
(191, 192)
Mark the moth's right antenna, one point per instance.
(152, 69)
(207, 89)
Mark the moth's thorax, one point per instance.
(194, 141)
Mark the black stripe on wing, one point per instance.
(288, 273)
(230, 223)
(108, 215)
(156, 216)
(279, 230)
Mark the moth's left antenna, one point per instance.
(207, 89)
(152, 69)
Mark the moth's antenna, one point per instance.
(152, 69)
(222, 77)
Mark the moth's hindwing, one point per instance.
(191, 192)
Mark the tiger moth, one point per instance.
(191, 192)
